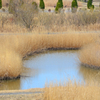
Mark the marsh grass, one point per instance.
(8, 67)
(15, 47)
(71, 91)
(90, 55)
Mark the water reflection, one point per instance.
(51, 66)
(10, 84)
(90, 75)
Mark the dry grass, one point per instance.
(8, 59)
(67, 91)
(8, 67)
(90, 55)
(51, 22)
(14, 47)
(71, 91)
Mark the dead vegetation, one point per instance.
(15, 47)
(90, 55)
(49, 22)
(71, 91)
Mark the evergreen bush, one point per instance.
(59, 5)
(42, 5)
(74, 6)
(89, 4)
(0, 4)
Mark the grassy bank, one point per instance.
(14, 47)
(65, 91)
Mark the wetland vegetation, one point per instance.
(26, 30)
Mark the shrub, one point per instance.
(59, 5)
(92, 7)
(35, 5)
(74, 6)
(26, 14)
(11, 7)
(89, 5)
(0, 4)
(42, 5)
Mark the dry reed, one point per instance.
(15, 47)
(90, 55)
(71, 91)
(51, 22)
(10, 63)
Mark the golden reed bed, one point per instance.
(90, 55)
(14, 47)
(70, 91)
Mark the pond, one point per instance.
(51, 66)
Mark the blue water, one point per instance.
(51, 66)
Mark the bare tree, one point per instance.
(25, 12)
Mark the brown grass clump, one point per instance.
(90, 55)
(71, 91)
(10, 63)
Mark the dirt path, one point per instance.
(30, 94)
